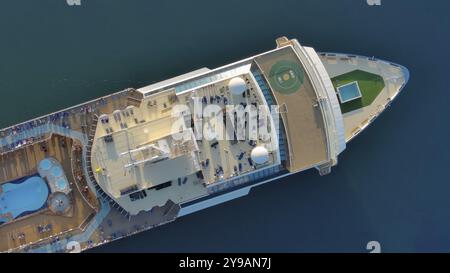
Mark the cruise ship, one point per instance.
(139, 158)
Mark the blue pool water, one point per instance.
(56, 171)
(45, 164)
(61, 184)
(349, 92)
(23, 196)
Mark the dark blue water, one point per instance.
(391, 184)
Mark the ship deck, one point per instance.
(226, 156)
(24, 145)
(135, 128)
(23, 162)
(300, 112)
(382, 82)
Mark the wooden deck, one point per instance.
(24, 162)
(305, 129)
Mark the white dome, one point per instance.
(237, 86)
(260, 155)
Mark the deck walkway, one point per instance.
(60, 246)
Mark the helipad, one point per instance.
(286, 76)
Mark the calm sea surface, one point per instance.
(391, 184)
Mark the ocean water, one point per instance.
(391, 184)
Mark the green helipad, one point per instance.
(286, 77)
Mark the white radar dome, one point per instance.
(260, 155)
(237, 86)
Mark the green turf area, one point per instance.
(286, 77)
(370, 86)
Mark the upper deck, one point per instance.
(294, 94)
(135, 151)
(131, 145)
(293, 78)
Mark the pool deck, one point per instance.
(89, 220)
(24, 162)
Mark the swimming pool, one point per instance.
(52, 171)
(349, 92)
(22, 196)
(45, 164)
(61, 184)
(56, 171)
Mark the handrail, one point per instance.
(76, 182)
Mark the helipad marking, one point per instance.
(286, 77)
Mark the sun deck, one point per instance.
(121, 137)
(225, 158)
